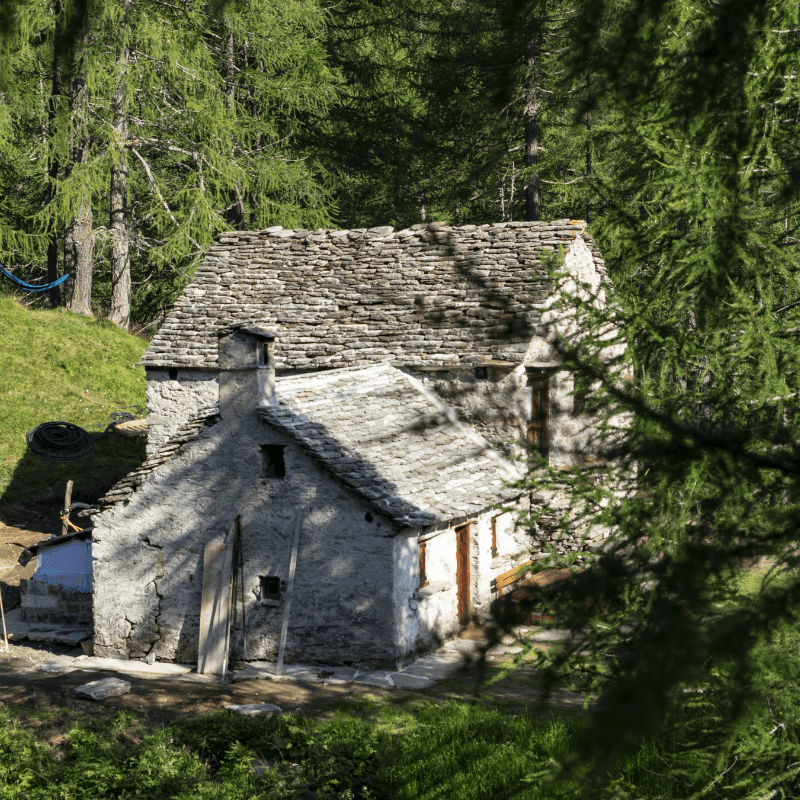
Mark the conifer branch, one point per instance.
(154, 185)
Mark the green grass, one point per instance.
(56, 365)
(457, 750)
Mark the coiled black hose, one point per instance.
(63, 441)
(60, 441)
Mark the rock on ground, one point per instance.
(103, 688)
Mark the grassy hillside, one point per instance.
(54, 366)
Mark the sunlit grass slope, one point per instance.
(56, 365)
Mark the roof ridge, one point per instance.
(323, 373)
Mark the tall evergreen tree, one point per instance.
(170, 112)
(700, 204)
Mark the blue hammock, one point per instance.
(29, 286)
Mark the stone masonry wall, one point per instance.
(148, 554)
(172, 400)
(46, 602)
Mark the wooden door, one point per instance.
(462, 573)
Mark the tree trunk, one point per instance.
(78, 241)
(588, 148)
(120, 311)
(531, 116)
(54, 294)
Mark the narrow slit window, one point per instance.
(494, 537)
(539, 423)
(266, 352)
(270, 587)
(273, 464)
(423, 576)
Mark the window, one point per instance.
(539, 423)
(270, 587)
(173, 374)
(273, 465)
(266, 353)
(423, 576)
(481, 373)
(494, 537)
(578, 403)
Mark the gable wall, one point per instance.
(149, 554)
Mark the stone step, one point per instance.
(18, 630)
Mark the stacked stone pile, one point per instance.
(430, 296)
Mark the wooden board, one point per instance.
(462, 574)
(215, 608)
(512, 576)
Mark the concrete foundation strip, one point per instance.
(289, 587)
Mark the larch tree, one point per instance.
(700, 199)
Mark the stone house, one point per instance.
(367, 386)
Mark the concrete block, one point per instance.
(103, 688)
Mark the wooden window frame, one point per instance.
(539, 422)
(423, 573)
(494, 537)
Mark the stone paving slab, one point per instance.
(103, 688)
(337, 676)
(254, 709)
(504, 649)
(158, 669)
(552, 635)
(405, 680)
(377, 678)
(437, 666)
(18, 630)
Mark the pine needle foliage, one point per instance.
(215, 97)
(700, 470)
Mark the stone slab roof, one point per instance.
(381, 433)
(429, 296)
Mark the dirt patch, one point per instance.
(14, 538)
(48, 704)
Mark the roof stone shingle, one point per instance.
(429, 296)
(390, 440)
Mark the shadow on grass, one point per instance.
(36, 490)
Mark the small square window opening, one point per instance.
(266, 354)
(481, 373)
(270, 587)
(273, 464)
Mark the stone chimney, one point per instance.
(246, 369)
